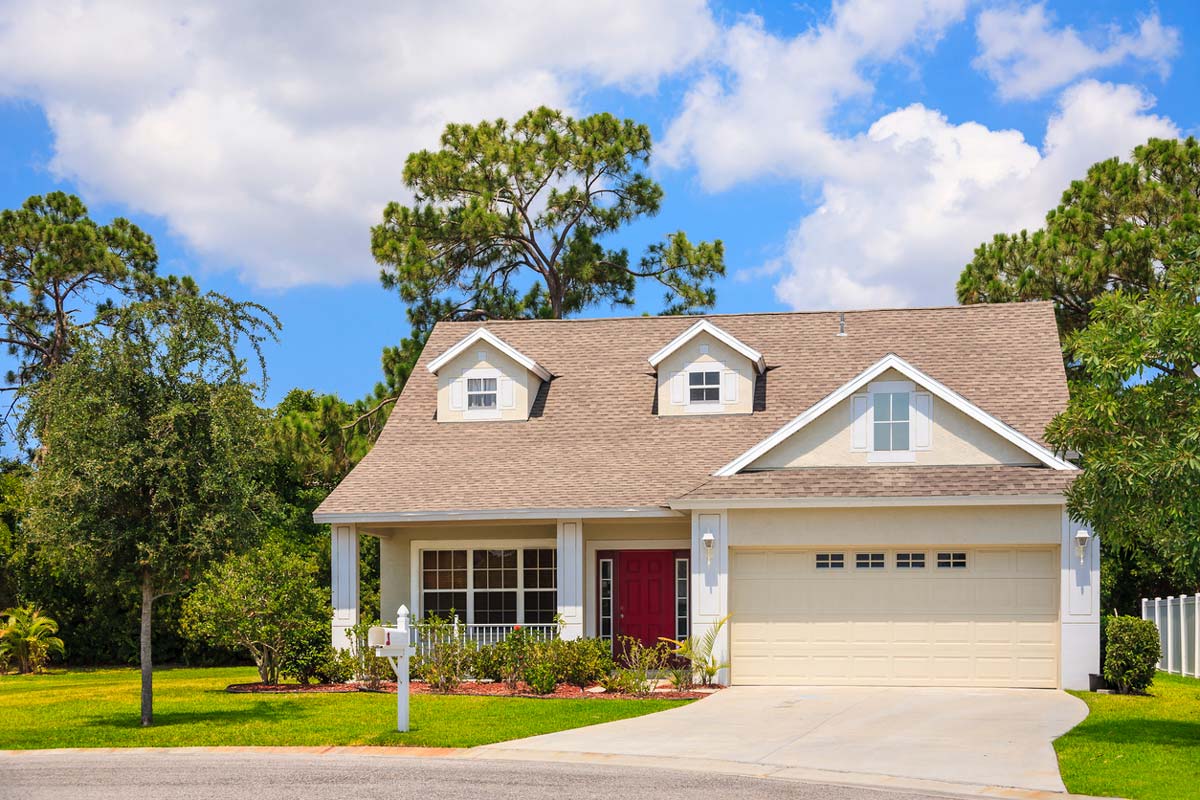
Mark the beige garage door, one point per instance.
(908, 617)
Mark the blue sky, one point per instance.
(849, 156)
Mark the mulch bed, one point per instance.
(470, 688)
(291, 688)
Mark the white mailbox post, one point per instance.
(393, 644)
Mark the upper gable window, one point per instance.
(891, 421)
(704, 386)
(484, 378)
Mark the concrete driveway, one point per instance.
(971, 738)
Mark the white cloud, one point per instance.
(901, 236)
(1027, 56)
(765, 106)
(270, 136)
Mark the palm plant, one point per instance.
(698, 652)
(27, 637)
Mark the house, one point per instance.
(868, 495)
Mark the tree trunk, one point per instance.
(147, 668)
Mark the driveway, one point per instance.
(974, 738)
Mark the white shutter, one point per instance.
(677, 389)
(922, 420)
(730, 391)
(458, 388)
(858, 422)
(506, 392)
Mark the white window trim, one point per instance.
(704, 406)
(480, 413)
(417, 547)
(484, 335)
(889, 456)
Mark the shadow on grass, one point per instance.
(1171, 733)
(259, 712)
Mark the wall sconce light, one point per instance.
(1082, 537)
(708, 539)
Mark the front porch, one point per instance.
(605, 577)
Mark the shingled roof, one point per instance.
(595, 442)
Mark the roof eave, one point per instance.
(703, 504)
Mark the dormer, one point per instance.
(705, 370)
(483, 378)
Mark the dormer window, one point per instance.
(704, 386)
(891, 422)
(481, 393)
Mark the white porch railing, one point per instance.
(423, 635)
(1178, 622)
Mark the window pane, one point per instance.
(445, 604)
(474, 384)
(900, 406)
(540, 607)
(695, 379)
(485, 400)
(495, 608)
(883, 409)
(883, 435)
(489, 384)
(900, 436)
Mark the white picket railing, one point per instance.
(422, 637)
(1178, 623)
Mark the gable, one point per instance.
(955, 439)
(516, 386)
(705, 352)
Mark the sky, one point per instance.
(849, 156)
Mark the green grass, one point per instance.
(100, 709)
(1142, 748)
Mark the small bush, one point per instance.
(513, 655)
(27, 636)
(581, 662)
(1132, 653)
(486, 666)
(369, 668)
(643, 665)
(542, 677)
(448, 656)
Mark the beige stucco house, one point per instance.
(868, 496)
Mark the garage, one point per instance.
(917, 616)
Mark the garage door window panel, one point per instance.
(827, 561)
(870, 561)
(952, 560)
(910, 560)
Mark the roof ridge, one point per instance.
(751, 314)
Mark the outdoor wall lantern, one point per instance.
(1082, 537)
(708, 540)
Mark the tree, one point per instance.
(499, 204)
(259, 601)
(152, 460)
(55, 263)
(1112, 230)
(28, 636)
(1135, 415)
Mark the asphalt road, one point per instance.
(162, 775)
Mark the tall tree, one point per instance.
(501, 206)
(1114, 229)
(61, 274)
(152, 461)
(1135, 416)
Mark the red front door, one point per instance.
(646, 595)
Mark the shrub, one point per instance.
(258, 601)
(1132, 653)
(513, 654)
(681, 677)
(485, 665)
(581, 662)
(27, 636)
(541, 676)
(643, 665)
(448, 656)
(310, 657)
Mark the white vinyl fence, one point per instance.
(1178, 622)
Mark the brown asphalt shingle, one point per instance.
(889, 481)
(596, 442)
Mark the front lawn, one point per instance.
(1142, 748)
(100, 709)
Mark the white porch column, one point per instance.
(1080, 610)
(710, 579)
(343, 575)
(570, 577)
